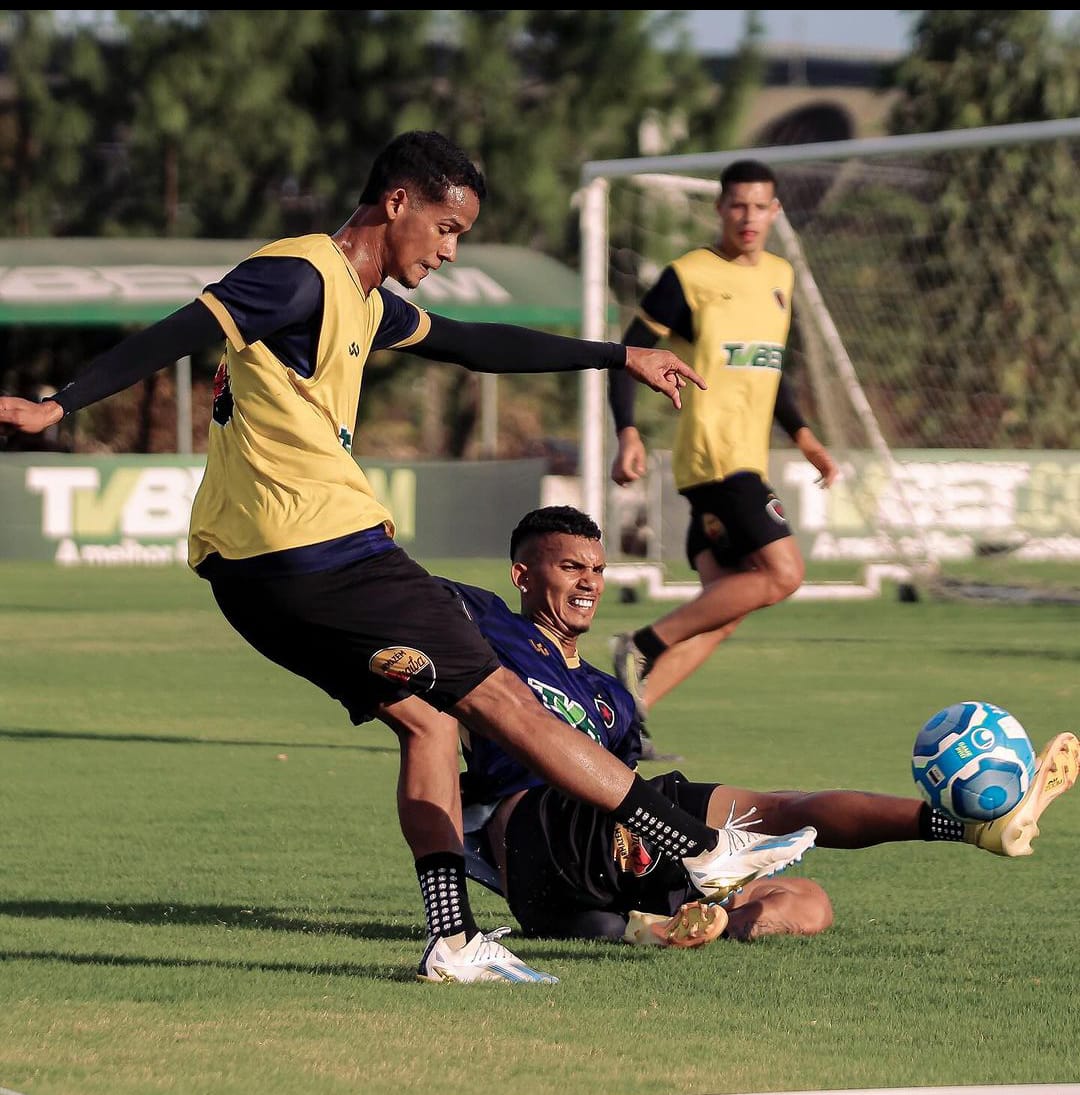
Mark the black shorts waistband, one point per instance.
(309, 559)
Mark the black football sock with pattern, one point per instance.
(446, 899)
(938, 825)
(658, 820)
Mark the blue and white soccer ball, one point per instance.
(973, 760)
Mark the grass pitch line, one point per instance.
(972, 1089)
(8, 1091)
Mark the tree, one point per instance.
(980, 68)
(228, 123)
(533, 95)
(213, 130)
(47, 125)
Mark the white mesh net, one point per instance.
(936, 351)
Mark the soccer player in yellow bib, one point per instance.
(727, 308)
(299, 553)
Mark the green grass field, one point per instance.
(204, 889)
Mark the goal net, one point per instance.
(935, 351)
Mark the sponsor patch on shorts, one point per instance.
(713, 527)
(404, 665)
(629, 852)
(775, 510)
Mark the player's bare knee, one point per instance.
(816, 911)
(785, 578)
(811, 910)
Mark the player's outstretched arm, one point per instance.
(186, 331)
(505, 348)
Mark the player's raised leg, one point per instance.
(716, 859)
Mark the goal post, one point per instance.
(935, 357)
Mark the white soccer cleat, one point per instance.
(740, 857)
(483, 958)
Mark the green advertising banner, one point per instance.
(133, 510)
(957, 501)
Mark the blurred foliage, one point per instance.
(234, 124)
(951, 276)
(237, 124)
(1008, 287)
(257, 124)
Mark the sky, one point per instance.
(720, 31)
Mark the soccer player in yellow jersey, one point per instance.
(299, 553)
(727, 308)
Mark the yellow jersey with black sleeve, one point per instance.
(734, 320)
(280, 476)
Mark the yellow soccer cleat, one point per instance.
(630, 669)
(1056, 769)
(694, 925)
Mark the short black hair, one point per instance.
(550, 519)
(747, 171)
(425, 162)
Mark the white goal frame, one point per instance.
(592, 200)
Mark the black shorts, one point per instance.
(733, 518)
(566, 861)
(370, 632)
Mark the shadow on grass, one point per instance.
(227, 916)
(371, 972)
(236, 916)
(1046, 654)
(18, 733)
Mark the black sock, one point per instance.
(446, 899)
(650, 644)
(658, 820)
(938, 825)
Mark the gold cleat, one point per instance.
(1011, 834)
(694, 925)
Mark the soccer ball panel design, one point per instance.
(973, 760)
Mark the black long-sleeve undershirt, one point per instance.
(502, 348)
(621, 386)
(481, 347)
(185, 332)
(786, 412)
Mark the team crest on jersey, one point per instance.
(713, 527)
(539, 647)
(629, 853)
(223, 401)
(775, 510)
(607, 712)
(781, 300)
(404, 665)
